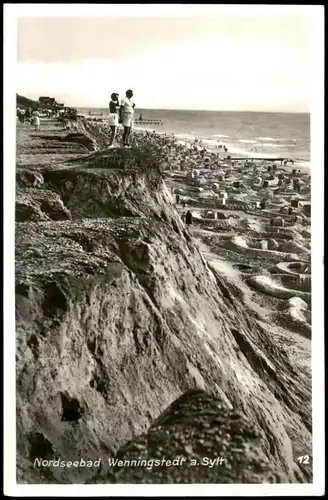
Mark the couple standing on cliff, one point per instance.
(121, 113)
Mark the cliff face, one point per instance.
(118, 314)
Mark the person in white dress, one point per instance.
(114, 107)
(126, 116)
(36, 119)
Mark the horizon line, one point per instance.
(207, 110)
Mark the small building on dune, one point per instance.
(46, 102)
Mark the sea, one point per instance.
(249, 134)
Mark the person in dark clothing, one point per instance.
(263, 203)
(21, 115)
(28, 114)
(188, 218)
(114, 107)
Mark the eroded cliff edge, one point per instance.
(118, 314)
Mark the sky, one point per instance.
(226, 61)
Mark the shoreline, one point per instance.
(256, 156)
(188, 140)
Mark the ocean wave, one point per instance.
(302, 164)
(248, 141)
(249, 154)
(220, 135)
(269, 145)
(185, 136)
(287, 139)
(138, 127)
(240, 151)
(266, 139)
(212, 142)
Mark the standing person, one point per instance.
(114, 107)
(36, 119)
(21, 115)
(18, 114)
(126, 116)
(189, 218)
(28, 115)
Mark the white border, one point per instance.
(11, 13)
(317, 245)
(153, 10)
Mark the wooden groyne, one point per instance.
(148, 122)
(258, 159)
(99, 116)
